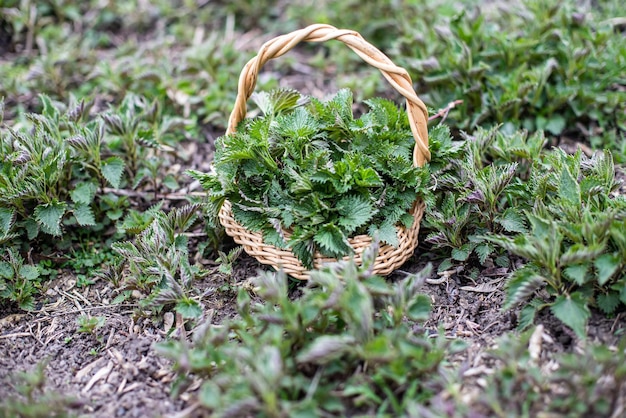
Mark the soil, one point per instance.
(114, 371)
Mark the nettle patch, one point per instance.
(309, 175)
(502, 193)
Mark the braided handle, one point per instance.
(397, 77)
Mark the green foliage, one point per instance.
(158, 265)
(309, 177)
(480, 189)
(53, 168)
(18, 281)
(541, 65)
(305, 357)
(34, 401)
(499, 191)
(519, 386)
(576, 244)
(89, 324)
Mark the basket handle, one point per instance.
(398, 77)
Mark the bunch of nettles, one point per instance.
(309, 175)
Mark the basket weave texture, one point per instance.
(389, 258)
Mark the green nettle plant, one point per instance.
(54, 170)
(479, 189)
(158, 265)
(311, 168)
(557, 211)
(576, 246)
(18, 281)
(542, 65)
(519, 385)
(348, 345)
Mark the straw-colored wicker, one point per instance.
(389, 258)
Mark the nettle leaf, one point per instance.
(83, 193)
(462, 253)
(325, 349)
(573, 311)
(483, 251)
(6, 271)
(569, 189)
(7, 217)
(333, 241)
(29, 272)
(608, 302)
(112, 169)
(522, 284)
(189, 308)
(526, 317)
(355, 212)
(254, 221)
(419, 308)
(367, 177)
(386, 232)
(49, 216)
(512, 221)
(577, 273)
(607, 265)
(84, 215)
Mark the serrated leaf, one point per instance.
(573, 311)
(326, 348)
(577, 273)
(522, 284)
(367, 177)
(461, 254)
(512, 221)
(483, 251)
(32, 228)
(29, 272)
(7, 217)
(332, 241)
(569, 189)
(354, 212)
(83, 193)
(526, 317)
(386, 233)
(608, 302)
(247, 218)
(555, 124)
(607, 265)
(6, 271)
(112, 169)
(84, 215)
(189, 308)
(49, 217)
(170, 182)
(445, 265)
(125, 295)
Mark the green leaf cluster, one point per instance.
(157, 265)
(18, 281)
(311, 175)
(497, 192)
(585, 383)
(305, 357)
(479, 189)
(576, 245)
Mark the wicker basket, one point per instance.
(389, 258)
